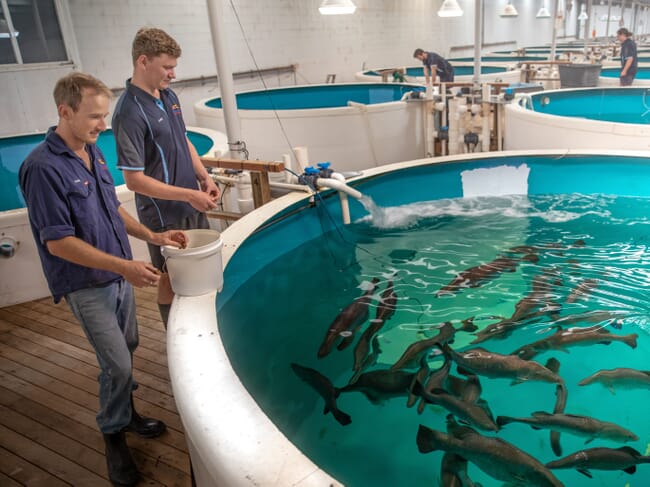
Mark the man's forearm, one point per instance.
(148, 186)
(134, 227)
(82, 253)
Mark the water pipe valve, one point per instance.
(309, 177)
(8, 246)
(325, 171)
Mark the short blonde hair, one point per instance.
(153, 42)
(69, 89)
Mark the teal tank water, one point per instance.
(627, 105)
(642, 73)
(590, 248)
(320, 96)
(14, 150)
(458, 71)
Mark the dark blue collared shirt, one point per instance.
(65, 199)
(628, 50)
(444, 69)
(151, 136)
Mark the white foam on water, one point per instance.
(513, 206)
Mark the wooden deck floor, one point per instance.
(48, 400)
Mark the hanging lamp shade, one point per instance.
(337, 7)
(543, 13)
(583, 13)
(450, 8)
(509, 11)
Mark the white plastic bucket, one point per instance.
(196, 269)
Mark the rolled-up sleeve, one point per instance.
(46, 198)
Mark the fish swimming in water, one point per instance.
(414, 352)
(572, 337)
(363, 358)
(494, 456)
(388, 303)
(571, 423)
(379, 385)
(453, 472)
(622, 377)
(325, 388)
(625, 458)
(352, 316)
(582, 290)
(494, 365)
(476, 276)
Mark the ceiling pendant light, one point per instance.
(583, 13)
(543, 12)
(450, 8)
(337, 7)
(509, 10)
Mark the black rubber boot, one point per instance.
(144, 427)
(164, 313)
(122, 471)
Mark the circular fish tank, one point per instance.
(462, 74)
(351, 125)
(349, 355)
(506, 59)
(28, 282)
(610, 76)
(601, 118)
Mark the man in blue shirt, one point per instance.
(435, 64)
(81, 231)
(173, 189)
(629, 59)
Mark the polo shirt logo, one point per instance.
(176, 110)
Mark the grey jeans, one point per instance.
(107, 317)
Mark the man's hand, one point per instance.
(140, 274)
(173, 238)
(201, 201)
(208, 186)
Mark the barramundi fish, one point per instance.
(325, 388)
(572, 423)
(622, 378)
(496, 457)
(624, 458)
(494, 365)
(348, 320)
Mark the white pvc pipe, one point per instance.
(302, 158)
(339, 186)
(478, 43)
(345, 204)
(226, 82)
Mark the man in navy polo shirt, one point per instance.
(81, 231)
(629, 59)
(173, 189)
(435, 64)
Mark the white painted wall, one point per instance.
(280, 32)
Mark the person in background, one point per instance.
(435, 65)
(629, 59)
(160, 164)
(81, 230)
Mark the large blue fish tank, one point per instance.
(14, 150)
(574, 220)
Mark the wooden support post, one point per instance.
(261, 188)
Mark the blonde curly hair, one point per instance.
(153, 42)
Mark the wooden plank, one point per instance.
(91, 437)
(85, 383)
(57, 339)
(261, 188)
(57, 465)
(7, 481)
(90, 460)
(243, 165)
(89, 402)
(87, 370)
(27, 473)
